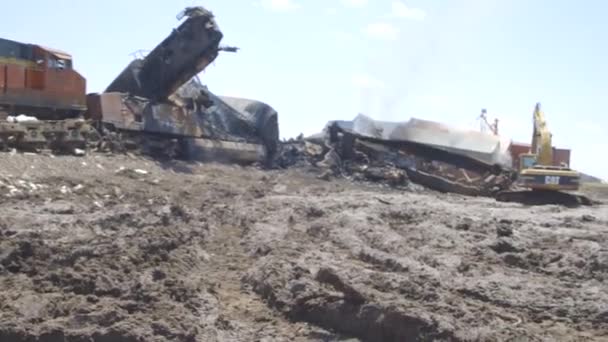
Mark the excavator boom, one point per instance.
(545, 183)
(541, 138)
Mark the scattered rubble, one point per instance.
(346, 153)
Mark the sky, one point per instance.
(316, 61)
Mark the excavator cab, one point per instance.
(526, 161)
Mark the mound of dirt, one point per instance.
(118, 248)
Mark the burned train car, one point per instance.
(160, 99)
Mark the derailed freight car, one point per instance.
(158, 103)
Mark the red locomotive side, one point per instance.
(40, 82)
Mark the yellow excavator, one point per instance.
(540, 180)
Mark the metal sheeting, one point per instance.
(263, 117)
(489, 148)
(231, 118)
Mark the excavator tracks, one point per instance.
(544, 197)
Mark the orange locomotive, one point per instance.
(39, 81)
(41, 98)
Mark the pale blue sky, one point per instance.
(316, 60)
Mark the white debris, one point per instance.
(78, 187)
(84, 164)
(100, 166)
(64, 189)
(280, 188)
(141, 172)
(203, 255)
(21, 118)
(98, 204)
(120, 169)
(79, 152)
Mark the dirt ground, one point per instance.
(118, 248)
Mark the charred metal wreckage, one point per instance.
(367, 153)
(418, 151)
(156, 104)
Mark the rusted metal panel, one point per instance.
(172, 120)
(134, 113)
(561, 156)
(117, 110)
(104, 106)
(93, 111)
(517, 149)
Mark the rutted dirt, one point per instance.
(117, 248)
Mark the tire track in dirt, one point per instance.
(230, 259)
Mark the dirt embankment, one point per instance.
(124, 249)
